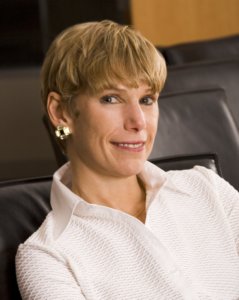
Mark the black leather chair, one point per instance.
(196, 122)
(24, 205)
(224, 74)
(221, 48)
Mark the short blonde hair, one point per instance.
(89, 57)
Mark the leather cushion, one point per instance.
(23, 207)
(197, 122)
(183, 162)
(202, 50)
(195, 76)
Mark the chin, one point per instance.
(131, 168)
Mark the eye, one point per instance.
(109, 99)
(148, 100)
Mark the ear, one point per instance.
(56, 111)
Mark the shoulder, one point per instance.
(202, 182)
(39, 248)
(196, 182)
(181, 179)
(197, 177)
(40, 239)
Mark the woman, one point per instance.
(121, 228)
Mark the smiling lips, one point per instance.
(130, 146)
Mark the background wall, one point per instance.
(167, 22)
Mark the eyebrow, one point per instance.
(149, 90)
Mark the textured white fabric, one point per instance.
(187, 248)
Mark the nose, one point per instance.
(135, 119)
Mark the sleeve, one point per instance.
(229, 197)
(41, 274)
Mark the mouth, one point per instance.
(130, 146)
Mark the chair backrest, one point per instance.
(183, 162)
(23, 207)
(195, 76)
(221, 48)
(198, 122)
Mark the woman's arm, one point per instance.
(229, 198)
(42, 274)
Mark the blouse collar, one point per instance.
(64, 202)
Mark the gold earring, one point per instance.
(62, 132)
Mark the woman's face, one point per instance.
(114, 131)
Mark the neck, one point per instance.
(126, 194)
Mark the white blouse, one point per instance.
(188, 247)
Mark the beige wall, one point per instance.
(167, 22)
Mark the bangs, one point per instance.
(108, 75)
(123, 60)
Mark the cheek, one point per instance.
(104, 123)
(90, 128)
(153, 119)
